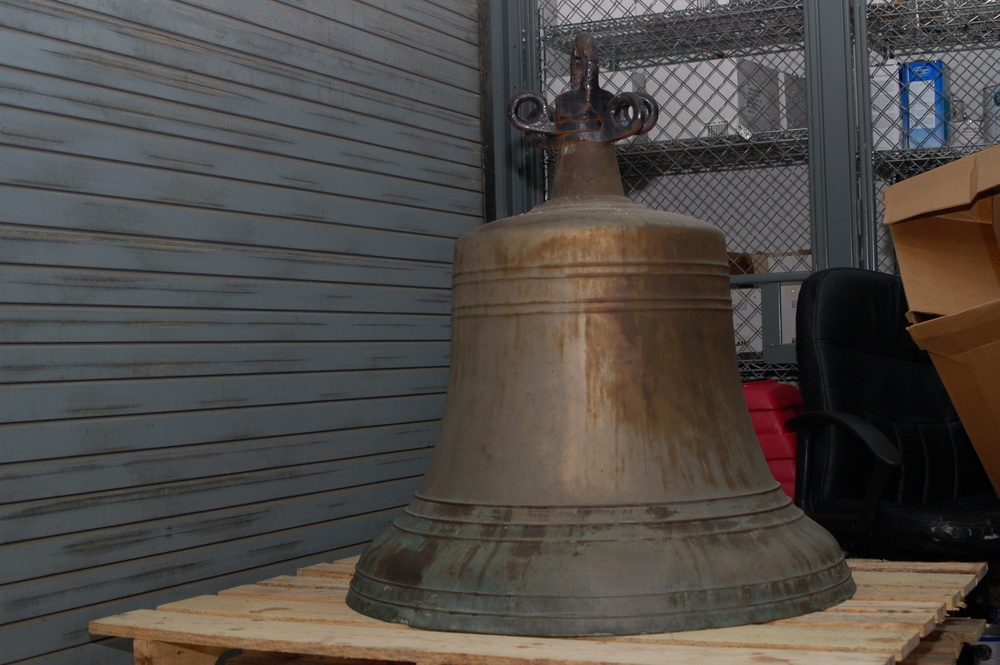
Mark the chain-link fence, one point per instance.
(935, 89)
(731, 143)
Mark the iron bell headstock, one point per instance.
(585, 112)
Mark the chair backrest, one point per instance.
(856, 356)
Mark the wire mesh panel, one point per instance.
(934, 90)
(731, 144)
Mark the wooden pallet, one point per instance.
(899, 614)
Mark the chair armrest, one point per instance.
(866, 434)
(863, 431)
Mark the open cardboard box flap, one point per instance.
(945, 224)
(945, 227)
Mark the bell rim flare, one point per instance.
(421, 573)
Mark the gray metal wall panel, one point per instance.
(225, 261)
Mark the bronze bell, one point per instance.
(596, 472)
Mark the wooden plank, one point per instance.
(256, 608)
(922, 623)
(933, 654)
(292, 601)
(951, 599)
(958, 630)
(337, 569)
(898, 641)
(158, 653)
(431, 647)
(930, 608)
(296, 582)
(977, 568)
(283, 593)
(259, 658)
(917, 579)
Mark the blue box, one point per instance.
(924, 102)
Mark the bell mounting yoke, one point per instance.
(585, 112)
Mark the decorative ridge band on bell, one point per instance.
(596, 471)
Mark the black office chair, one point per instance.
(883, 460)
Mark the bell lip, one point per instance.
(431, 572)
(692, 614)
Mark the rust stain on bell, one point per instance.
(596, 472)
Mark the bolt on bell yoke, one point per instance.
(596, 471)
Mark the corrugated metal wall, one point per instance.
(225, 243)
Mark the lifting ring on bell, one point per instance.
(625, 115)
(539, 120)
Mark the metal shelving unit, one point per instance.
(964, 37)
(932, 25)
(735, 30)
(732, 143)
(708, 154)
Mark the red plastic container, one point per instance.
(771, 404)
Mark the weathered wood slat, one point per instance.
(66, 362)
(65, 631)
(31, 559)
(455, 27)
(310, 476)
(310, 463)
(191, 194)
(257, 126)
(404, 209)
(60, 210)
(209, 64)
(170, 395)
(395, 155)
(22, 245)
(70, 286)
(201, 198)
(369, 41)
(94, 436)
(101, 141)
(45, 324)
(21, 601)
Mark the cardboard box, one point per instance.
(945, 225)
